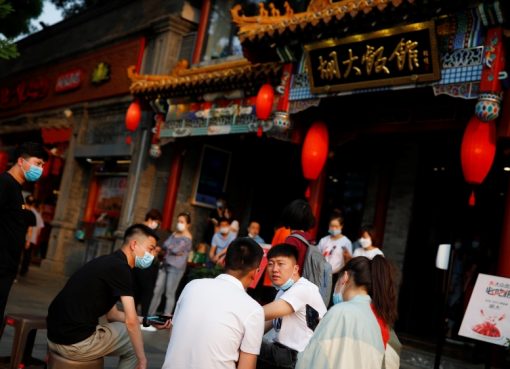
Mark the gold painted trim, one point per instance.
(414, 78)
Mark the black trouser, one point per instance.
(274, 355)
(25, 262)
(5, 288)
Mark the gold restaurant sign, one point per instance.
(394, 56)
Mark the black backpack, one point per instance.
(316, 269)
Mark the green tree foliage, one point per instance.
(73, 7)
(18, 21)
(7, 49)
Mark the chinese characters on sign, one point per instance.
(487, 316)
(400, 55)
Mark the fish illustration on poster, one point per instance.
(487, 316)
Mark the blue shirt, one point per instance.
(220, 242)
(257, 239)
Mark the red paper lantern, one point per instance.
(133, 116)
(4, 161)
(478, 151)
(264, 102)
(315, 150)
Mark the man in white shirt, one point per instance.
(216, 324)
(293, 314)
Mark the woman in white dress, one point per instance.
(335, 245)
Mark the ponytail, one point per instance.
(383, 291)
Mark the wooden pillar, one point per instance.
(174, 178)
(202, 29)
(382, 199)
(317, 189)
(91, 199)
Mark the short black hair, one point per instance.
(139, 229)
(243, 255)
(186, 216)
(31, 149)
(223, 219)
(153, 214)
(370, 229)
(283, 249)
(298, 215)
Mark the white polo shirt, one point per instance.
(292, 330)
(214, 319)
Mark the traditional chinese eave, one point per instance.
(271, 22)
(270, 34)
(218, 77)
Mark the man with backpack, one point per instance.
(298, 216)
(295, 312)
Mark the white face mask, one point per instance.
(181, 227)
(365, 242)
(224, 230)
(154, 225)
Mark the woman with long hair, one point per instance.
(354, 333)
(177, 247)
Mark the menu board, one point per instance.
(487, 316)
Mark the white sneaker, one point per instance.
(150, 328)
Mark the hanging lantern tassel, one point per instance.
(472, 199)
(128, 140)
(308, 192)
(259, 131)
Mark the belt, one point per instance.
(292, 351)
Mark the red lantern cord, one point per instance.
(308, 192)
(472, 199)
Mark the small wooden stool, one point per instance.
(23, 325)
(55, 361)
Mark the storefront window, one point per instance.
(108, 205)
(222, 41)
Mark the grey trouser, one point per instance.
(168, 280)
(110, 339)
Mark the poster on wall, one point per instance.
(211, 180)
(487, 316)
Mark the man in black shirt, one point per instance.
(14, 218)
(73, 324)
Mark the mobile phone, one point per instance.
(312, 317)
(155, 319)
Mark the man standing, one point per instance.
(293, 314)
(14, 218)
(216, 324)
(74, 331)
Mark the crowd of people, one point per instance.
(96, 313)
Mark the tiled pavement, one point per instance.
(33, 293)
